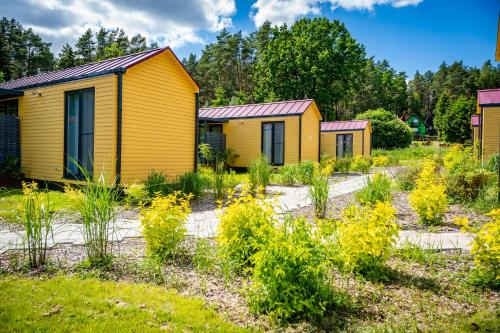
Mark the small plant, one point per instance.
(205, 255)
(156, 184)
(361, 164)
(287, 175)
(259, 173)
(290, 280)
(244, 227)
(343, 165)
(206, 153)
(305, 172)
(219, 180)
(37, 222)
(376, 190)
(136, 194)
(191, 183)
(492, 163)
(365, 237)
(318, 192)
(406, 178)
(428, 199)
(486, 250)
(163, 224)
(380, 161)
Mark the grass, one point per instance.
(74, 305)
(411, 154)
(11, 203)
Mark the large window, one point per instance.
(8, 108)
(79, 132)
(344, 145)
(273, 141)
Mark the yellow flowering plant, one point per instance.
(380, 161)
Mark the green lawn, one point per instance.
(411, 154)
(11, 202)
(74, 305)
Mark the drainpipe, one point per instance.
(196, 111)
(118, 170)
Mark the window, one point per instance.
(344, 145)
(273, 142)
(8, 108)
(79, 133)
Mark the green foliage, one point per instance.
(428, 199)
(290, 280)
(380, 161)
(219, 99)
(493, 163)
(361, 164)
(205, 152)
(412, 153)
(205, 256)
(219, 181)
(343, 165)
(260, 172)
(389, 131)
(454, 118)
(305, 172)
(365, 237)
(377, 189)
(192, 183)
(487, 198)
(164, 224)
(245, 227)
(156, 184)
(37, 221)
(318, 192)
(287, 175)
(406, 178)
(136, 194)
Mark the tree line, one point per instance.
(313, 58)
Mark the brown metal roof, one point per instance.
(350, 125)
(273, 109)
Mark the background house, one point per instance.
(416, 124)
(123, 116)
(346, 138)
(489, 122)
(286, 132)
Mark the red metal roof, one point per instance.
(474, 120)
(344, 125)
(488, 96)
(284, 108)
(84, 71)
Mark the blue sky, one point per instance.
(411, 34)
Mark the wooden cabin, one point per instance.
(346, 138)
(416, 124)
(488, 112)
(286, 132)
(124, 117)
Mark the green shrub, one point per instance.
(428, 199)
(380, 161)
(244, 228)
(259, 173)
(361, 164)
(136, 194)
(388, 131)
(205, 256)
(365, 237)
(492, 163)
(305, 172)
(343, 165)
(219, 181)
(205, 152)
(156, 184)
(163, 224)
(290, 280)
(192, 183)
(37, 221)
(406, 178)
(487, 198)
(377, 189)
(287, 175)
(318, 192)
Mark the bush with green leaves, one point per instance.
(259, 173)
(37, 221)
(406, 178)
(318, 192)
(245, 227)
(163, 225)
(205, 256)
(389, 131)
(136, 194)
(361, 164)
(377, 189)
(452, 117)
(290, 280)
(305, 172)
(343, 165)
(493, 162)
(287, 175)
(192, 183)
(156, 184)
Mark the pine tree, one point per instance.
(85, 48)
(66, 57)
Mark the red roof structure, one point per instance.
(273, 109)
(488, 96)
(350, 125)
(474, 120)
(84, 71)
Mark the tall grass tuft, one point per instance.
(37, 221)
(376, 190)
(192, 183)
(318, 192)
(219, 180)
(97, 202)
(259, 173)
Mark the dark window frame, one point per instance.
(273, 156)
(212, 126)
(79, 175)
(337, 143)
(7, 110)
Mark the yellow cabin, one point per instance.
(124, 116)
(489, 122)
(286, 132)
(346, 138)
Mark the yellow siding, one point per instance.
(244, 137)
(310, 133)
(368, 140)
(329, 143)
(158, 129)
(42, 128)
(490, 131)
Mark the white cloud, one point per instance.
(287, 11)
(170, 22)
